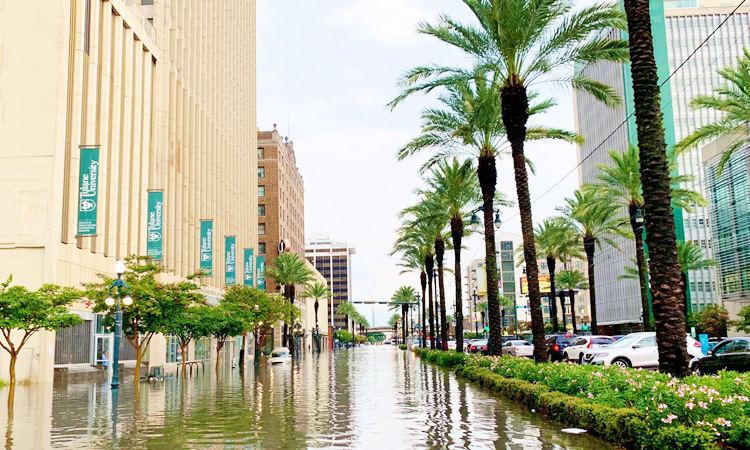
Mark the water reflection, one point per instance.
(366, 398)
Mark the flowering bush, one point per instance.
(717, 406)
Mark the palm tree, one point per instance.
(521, 43)
(621, 184)
(666, 288)
(289, 270)
(597, 222)
(403, 299)
(556, 239)
(571, 281)
(348, 310)
(317, 291)
(393, 323)
(731, 101)
(415, 249)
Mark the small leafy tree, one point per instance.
(713, 320)
(31, 311)
(191, 325)
(155, 304)
(223, 324)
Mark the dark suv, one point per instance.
(556, 344)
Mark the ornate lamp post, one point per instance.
(476, 322)
(118, 285)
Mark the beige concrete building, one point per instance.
(281, 199)
(166, 92)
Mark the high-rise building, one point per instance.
(334, 261)
(128, 128)
(679, 28)
(281, 200)
(729, 198)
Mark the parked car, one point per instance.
(518, 348)
(729, 354)
(556, 345)
(574, 352)
(451, 345)
(478, 347)
(635, 350)
(469, 342)
(280, 355)
(416, 344)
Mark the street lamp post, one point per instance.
(118, 285)
(476, 323)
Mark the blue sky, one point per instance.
(331, 67)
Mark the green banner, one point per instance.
(88, 183)
(207, 247)
(230, 260)
(260, 270)
(155, 224)
(249, 265)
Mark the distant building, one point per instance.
(729, 198)
(281, 200)
(334, 261)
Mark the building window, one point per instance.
(173, 350)
(261, 229)
(262, 248)
(261, 153)
(261, 172)
(261, 191)
(261, 210)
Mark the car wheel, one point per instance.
(580, 358)
(697, 371)
(621, 362)
(566, 358)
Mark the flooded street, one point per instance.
(374, 397)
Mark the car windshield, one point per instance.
(520, 343)
(565, 339)
(624, 342)
(604, 341)
(277, 354)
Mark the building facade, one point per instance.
(729, 198)
(679, 28)
(334, 261)
(281, 200)
(121, 114)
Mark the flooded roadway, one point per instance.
(375, 397)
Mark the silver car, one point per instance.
(518, 348)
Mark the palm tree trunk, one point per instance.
(423, 325)
(515, 106)
(403, 326)
(562, 307)
(573, 310)
(667, 287)
(551, 263)
(640, 260)
(589, 245)
(487, 172)
(457, 232)
(439, 254)
(430, 265)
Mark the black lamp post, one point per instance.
(118, 285)
(476, 323)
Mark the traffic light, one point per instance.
(585, 328)
(487, 328)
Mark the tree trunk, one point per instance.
(573, 310)
(439, 254)
(667, 288)
(403, 327)
(515, 106)
(589, 245)
(551, 263)
(219, 347)
(183, 349)
(423, 325)
(640, 259)
(685, 302)
(12, 368)
(561, 295)
(457, 232)
(487, 172)
(429, 265)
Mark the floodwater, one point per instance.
(375, 397)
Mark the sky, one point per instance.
(326, 70)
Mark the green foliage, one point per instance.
(289, 269)
(402, 346)
(713, 320)
(571, 279)
(743, 324)
(630, 407)
(193, 323)
(343, 336)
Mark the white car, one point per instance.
(576, 349)
(451, 345)
(635, 350)
(518, 348)
(280, 355)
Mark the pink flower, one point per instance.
(591, 395)
(690, 405)
(662, 406)
(669, 418)
(703, 405)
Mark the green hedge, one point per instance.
(402, 346)
(628, 427)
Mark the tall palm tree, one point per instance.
(571, 281)
(555, 239)
(597, 222)
(523, 42)
(667, 288)
(317, 291)
(393, 323)
(289, 270)
(351, 313)
(620, 183)
(731, 100)
(456, 188)
(415, 249)
(402, 299)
